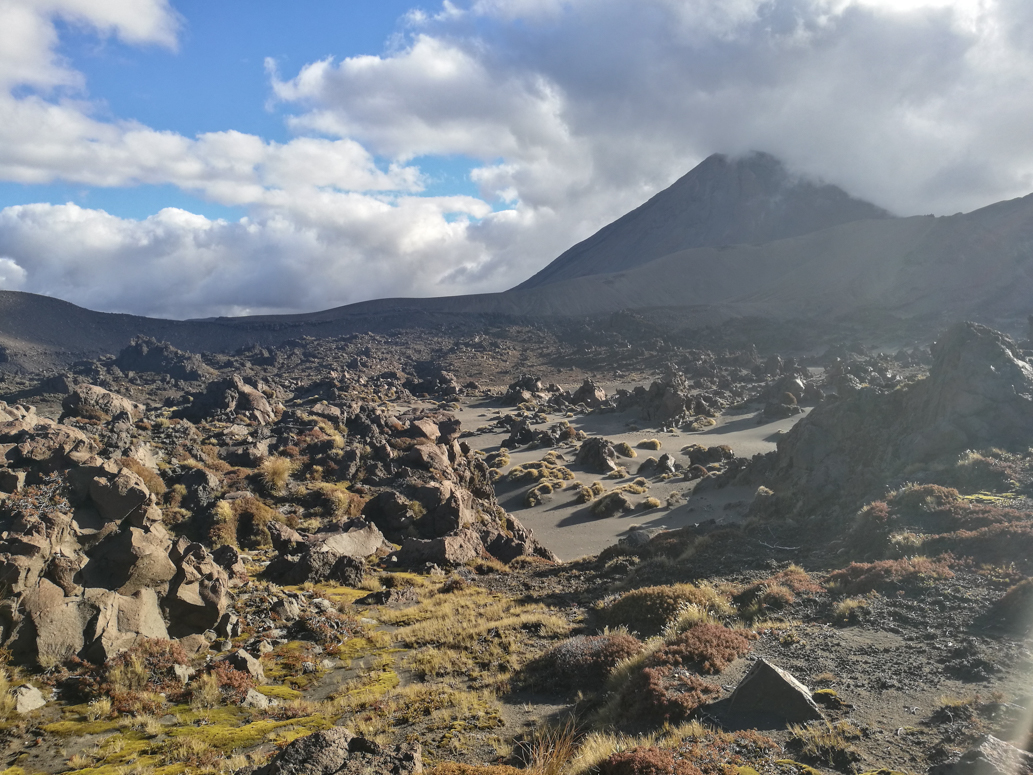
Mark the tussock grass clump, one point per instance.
(653, 444)
(625, 450)
(610, 505)
(541, 470)
(275, 472)
(618, 473)
(538, 495)
(335, 501)
(649, 503)
(498, 460)
(649, 610)
(828, 744)
(849, 610)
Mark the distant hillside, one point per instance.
(723, 201)
(975, 266)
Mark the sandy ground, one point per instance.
(569, 528)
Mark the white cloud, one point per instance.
(331, 249)
(575, 110)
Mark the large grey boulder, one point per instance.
(597, 454)
(447, 550)
(98, 399)
(338, 556)
(122, 622)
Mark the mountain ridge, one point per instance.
(752, 199)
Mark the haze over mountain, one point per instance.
(856, 261)
(723, 201)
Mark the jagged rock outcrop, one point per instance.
(229, 399)
(979, 394)
(597, 454)
(338, 556)
(87, 563)
(990, 756)
(338, 752)
(146, 354)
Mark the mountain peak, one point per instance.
(725, 200)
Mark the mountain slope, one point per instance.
(722, 201)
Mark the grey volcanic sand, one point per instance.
(569, 528)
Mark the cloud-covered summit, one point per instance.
(571, 112)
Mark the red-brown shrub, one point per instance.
(707, 648)
(656, 694)
(233, 683)
(861, 577)
(647, 761)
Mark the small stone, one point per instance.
(246, 663)
(28, 698)
(308, 667)
(183, 673)
(255, 700)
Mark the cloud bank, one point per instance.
(574, 111)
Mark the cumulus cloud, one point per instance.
(347, 247)
(574, 111)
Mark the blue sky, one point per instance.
(180, 158)
(216, 79)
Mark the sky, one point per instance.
(189, 158)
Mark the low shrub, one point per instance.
(658, 694)
(1014, 610)
(587, 660)
(704, 647)
(861, 577)
(647, 760)
(458, 768)
(147, 667)
(648, 610)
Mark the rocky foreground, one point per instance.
(280, 562)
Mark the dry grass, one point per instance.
(275, 472)
(830, 744)
(470, 632)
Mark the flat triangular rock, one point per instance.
(773, 694)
